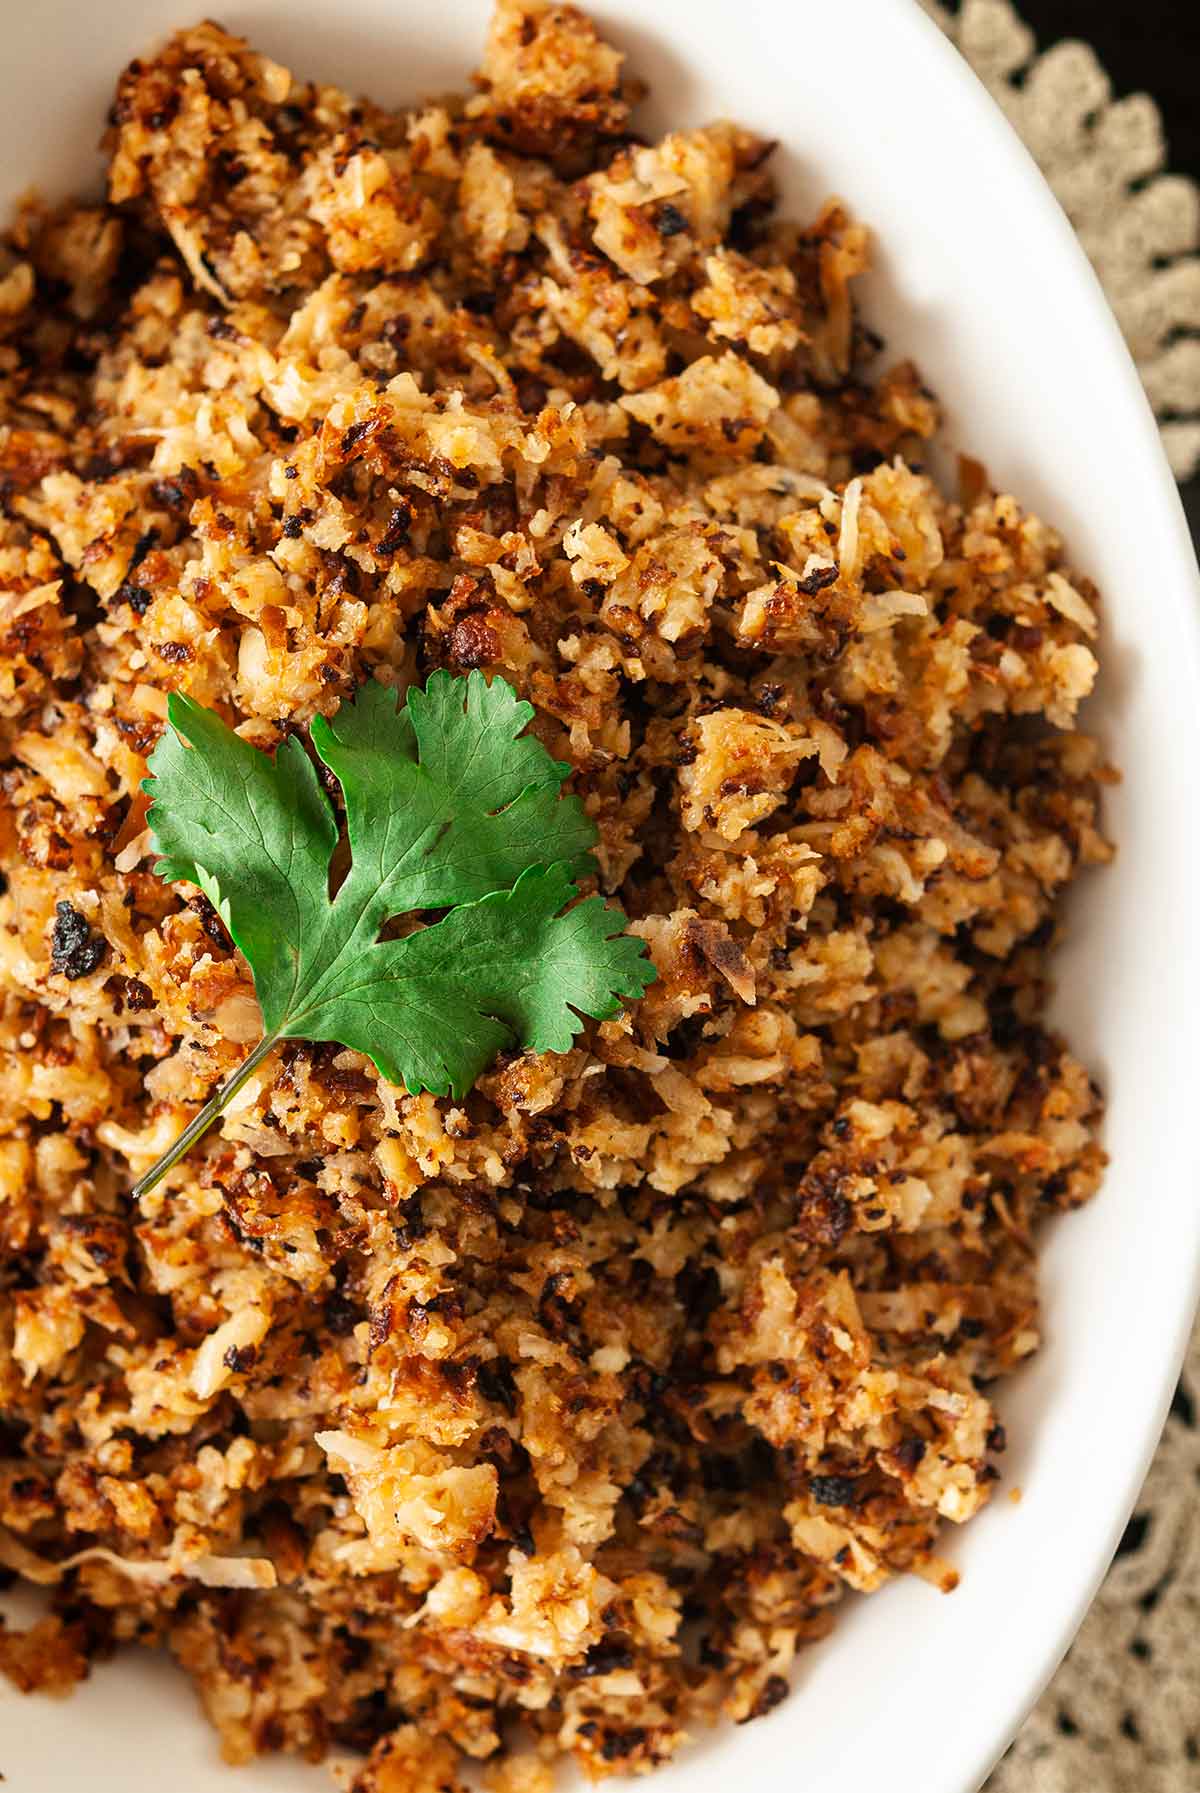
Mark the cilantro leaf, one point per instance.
(448, 800)
(256, 835)
(445, 802)
(433, 1009)
(449, 805)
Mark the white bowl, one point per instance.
(981, 280)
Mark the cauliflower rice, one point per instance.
(558, 1419)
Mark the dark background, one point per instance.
(1150, 46)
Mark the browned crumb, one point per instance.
(45, 1657)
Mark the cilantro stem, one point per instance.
(215, 1105)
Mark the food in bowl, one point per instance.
(551, 1418)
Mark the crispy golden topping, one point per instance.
(578, 1402)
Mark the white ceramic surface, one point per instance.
(981, 280)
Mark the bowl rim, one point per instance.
(961, 1764)
(968, 1772)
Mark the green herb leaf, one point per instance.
(432, 1010)
(256, 835)
(448, 806)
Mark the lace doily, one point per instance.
(1123, 1713)
(1105, 160)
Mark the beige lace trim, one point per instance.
(1105, 160)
